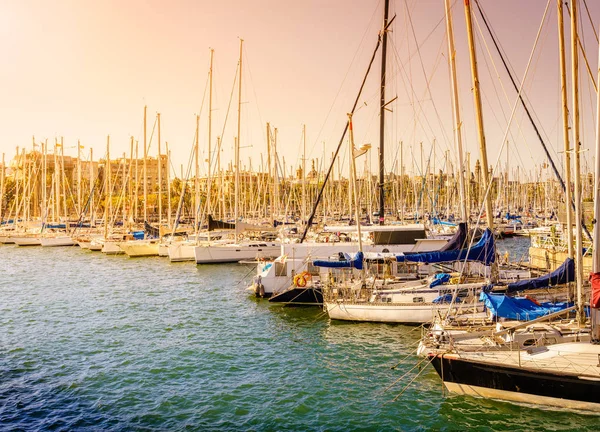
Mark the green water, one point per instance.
(95, 342)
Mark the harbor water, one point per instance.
(96, 342)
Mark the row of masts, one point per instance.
(270, 191)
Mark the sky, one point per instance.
(83, 70)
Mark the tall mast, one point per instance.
(78, 177)
(130, 187)
(456, 112)
(565, 118)
(196, 178)
(237, 145)
(168, 184)
(382, 115)
(210, 97)
(303, 174)
(106, 186)
(92, 218)
(594, 312)
(44, 181)
(353, 180)
(145, 169)
(577, 145)
(159, 160)
(63, 180)
(479, 115)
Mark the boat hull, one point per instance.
(398, 313)
(232, 254)
(309, 296)
(517, 384)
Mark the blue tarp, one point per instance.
(356, 262)
(138, 235)
(446, 298)
(565, 273)
(439, 279)
(522, 309)
(437, 221)
(484, 250)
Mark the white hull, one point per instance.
(387, 313)
(112, 248)
(57, 241)
(140, 248)
(231, 253)
(26, 241)
(179, 252)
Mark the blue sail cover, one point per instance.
(438, 221)
(484, 251)
(458, 240)
(522, 309)
(356, 262)
(562, 275)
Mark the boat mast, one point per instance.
(92, 213)
(63, 180)
(145, 170)
(237, 146)
(565, 119)
(106, 187)
(168, 183)
(130, 190)
(159, 160)
(79, 209)
(578, 216)
(196, 179)
(594, 312)
(210, 97)
(479, 116)
(382, 109)
(456, 112)
(353, 180)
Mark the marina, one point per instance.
(400, 264)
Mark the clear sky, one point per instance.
(84, 69)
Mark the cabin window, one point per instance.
(280, 269)
(418, 300)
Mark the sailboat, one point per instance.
(564, 375)
(228, 252)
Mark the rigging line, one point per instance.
(520, 98)
(424, 73)
(504, 92)
(218, 149)
(412, 94)
(591, 21)
(587, 64)
(418, 106)
(344, 79)
(321, 190)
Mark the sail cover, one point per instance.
(522, 309)
(562, 275)
(458, 240)
(484, 251)
(356, 262)
(217, 224)
(151, 232)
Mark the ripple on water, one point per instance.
(94, 342)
